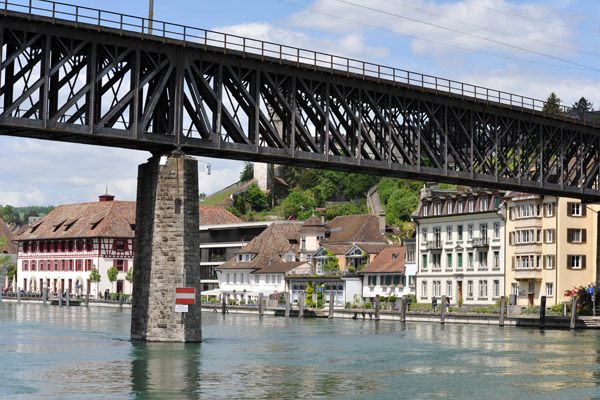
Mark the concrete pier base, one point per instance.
(166, 250)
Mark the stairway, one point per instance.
(591, 322)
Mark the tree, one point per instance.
(256, 197)
(112, 274)
(297, 203)
(553, 105)
(401, 204)
(129, 275)
(583, 105)
(248, 172)
(331, 266)
(95, 277)
(5, 260)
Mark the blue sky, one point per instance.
(526, 47)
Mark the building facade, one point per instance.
(460, 246)
(60, 251)
(551, 247)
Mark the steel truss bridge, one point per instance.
(83, 75)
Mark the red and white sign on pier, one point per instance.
(183, 297)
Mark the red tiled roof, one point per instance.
(98, 219)
(280, 267)
(389, 260)
(354, 228)
(11, 248)
(217, 215)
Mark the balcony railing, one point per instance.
(434, 245)
(480, 242)
(528, 274)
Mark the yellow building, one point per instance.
(551, 247)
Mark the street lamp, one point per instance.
(150, 17)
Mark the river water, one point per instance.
(85, 353)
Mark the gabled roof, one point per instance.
(389, 260)
(278, 238)
(362, 228)
(280, 267)
(5, 231)
(85, 220)
(217, 215)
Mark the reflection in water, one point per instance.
(86, 353)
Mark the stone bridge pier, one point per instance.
(167, 252)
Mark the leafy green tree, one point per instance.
(331, 265)
(256, 197)
(95, 277)
(248, 172)
(239, 205)
(298, 202)
(5, 260)
(309, 294)
(112, 275)
(401, 204)
(583, 105)
(553, 105)
(386, 187)
(357, 185)
(129, 275)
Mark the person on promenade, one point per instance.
(433, 304)
(447, 303)
(106, 293)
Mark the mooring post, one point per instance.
(443, 313)
(573, 312)
(87, 299)
(330, 306)
(60, 298)
(377, 301)
(260, 304)
(121, 299)
(68, 296)
(502, 309)
(223, 305)
(19, 295)
(301, 305)
(44, 292)
(403, 309)
(542, 311)
(287, 304)
(0, 296)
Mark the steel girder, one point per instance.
(96, 87)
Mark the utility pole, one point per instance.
(150, 17)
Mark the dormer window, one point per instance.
(246, 257)
(483, 204)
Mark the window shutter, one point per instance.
(545, 210)
(569, 235)
(115, 263)
(583, 236)
(583, 209)
(545, 263)
(569, 209)
(126, 245)
(583, 261)
(569, 262)
(510, 238)
(125, 266)
(114, 244)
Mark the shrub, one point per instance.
(232, 302)
(368, 304)
(354, 306)
(392, 299)
(214, 300)
(348, 305)
(242, 302)
(203, 299)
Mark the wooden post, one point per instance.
(331, 297)
(443, 313)
(573, 312)
(542, 311)
(223, 305)
(60, 297)
(301, 305)
(502, 307)
(121, 299)
(0, 296)
(287, 304)
(260, 304)
(68, 298)
(18, 295)
(44, 293)
(87, 300)
(403, 310)
(377, 301)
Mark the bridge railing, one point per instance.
(162, 30)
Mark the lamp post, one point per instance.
(150, 17)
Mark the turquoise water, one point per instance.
(79, 353)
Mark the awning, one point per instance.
(213, 292)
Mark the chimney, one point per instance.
(382, 222)
(106, 197)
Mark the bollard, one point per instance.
(0, 296)
(301, 305)
(542, 311)
(260, 304)
(87, 300)
(60, 297)
(377, 301)
(502, 309)
(330, 305)
(287, 304)
(68, 298)
(44, 294)
(18, 295)
(121, 299)
(403, 310)
(223, 306)
(443, 313)
(573, 312)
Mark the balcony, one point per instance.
(528, 274)
(480, 242)
(434, 245)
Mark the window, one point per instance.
(302, 242)
(234, 278)
(549, 289)
(470, 260)
(410, 252)
(471, 205)
(437, 237)
(256, 278)
(525, 210)
(549, 235)
(460, 207)
(79, 265)
(449, 261)
(496, 230)
(424, 234)
(483, 259)
(119, 264)
(460, 232)
(549, 261)
(576, 235)
(496, 288)
(469, 288)
(425, 261)
(514, 289)
(483, 289)
(576, 261)
(496, 259)
(450, 209)
(483, 204)
(470, 232)
(460, 257)
(424, 289)
(437, 288)
(436, 259)
(483, 232)
(437, 209)
(278, 279)
(574, 210)
(496, 202)
(449, 233)
(449, 288)
(268, 279)
(25, 266)
(425, 210)
(120, 245)
(549, 209)
(228, 278)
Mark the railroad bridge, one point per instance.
(83, 75)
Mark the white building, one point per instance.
(460, 246)
(60, 251)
